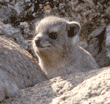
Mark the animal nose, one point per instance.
(37, 42)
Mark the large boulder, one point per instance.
(17, 69)
(83, 88)
(99, 45)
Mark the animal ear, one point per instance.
(73, 28)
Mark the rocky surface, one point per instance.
(98, 43)
(17, 69)
(107, 43)
(17, 22)
(83, 88)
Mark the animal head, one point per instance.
(53, 34)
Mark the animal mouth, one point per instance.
(43, 47)
(39, 45)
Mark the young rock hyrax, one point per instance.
(54, 45)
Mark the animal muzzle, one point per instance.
(42, 43)
(38, 43)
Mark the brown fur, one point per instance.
(61, 55)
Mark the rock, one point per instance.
(1, 30)
(108, 40)
(97, 46)
(10, 31)
(83, 88)
(17, 69)
(97, 32)
(94, 90)
(27, 1)
(5, 13)
(24, 26)
(19, 6)
(7, 1)
(18, 37)
(91, 14)
(15, 33)
(1, 1)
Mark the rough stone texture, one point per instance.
(18, 16)
(19, 6)
(5, 12)
(98, 46)
(20, 40)
(15, 34)
(83, 88)
(108, 40)
(10, 31)
(25, 27)
(17, 69)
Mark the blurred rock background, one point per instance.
(19, 17)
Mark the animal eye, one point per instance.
(53, 35)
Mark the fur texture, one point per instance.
(56, 48)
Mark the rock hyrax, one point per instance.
(54, 45)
